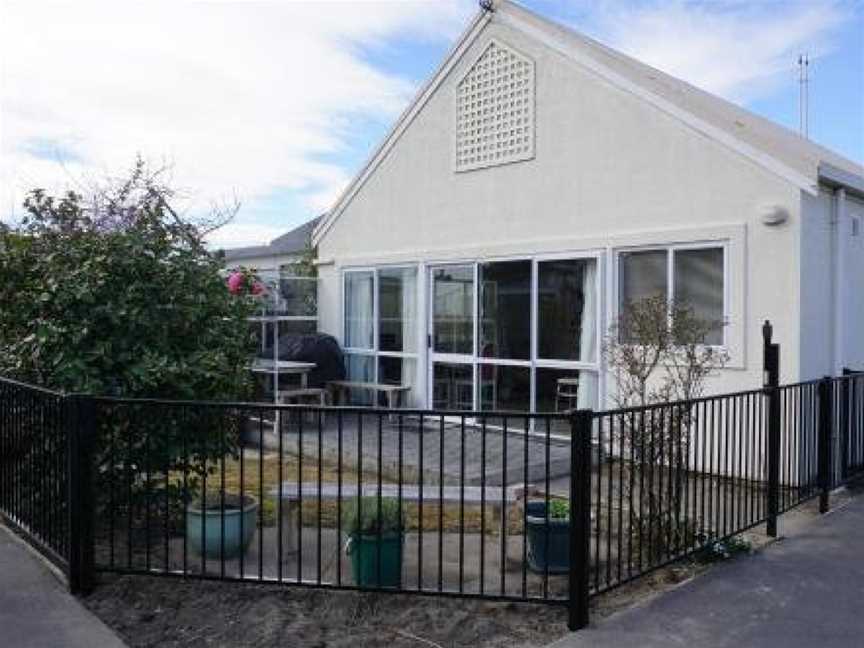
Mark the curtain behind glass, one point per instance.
(397, 309)
(567, 310)
(359, 290)
(588, 325)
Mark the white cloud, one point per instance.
(239, 97)
(739, 50)
(243, 234)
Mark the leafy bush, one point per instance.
(559, 509)
(361, 517)
(115, 294)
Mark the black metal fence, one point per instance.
(34, 467)
(550, 508)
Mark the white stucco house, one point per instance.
(540, 179)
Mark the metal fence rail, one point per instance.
(453, 483)
(547, 508)
(34, 467)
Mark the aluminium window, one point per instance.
(692, 276)
(380, 325)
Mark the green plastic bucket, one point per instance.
(237, 536)
(364, 552)
(548, 544)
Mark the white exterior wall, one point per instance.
(852, 286)
(610, 171)
(832, 273)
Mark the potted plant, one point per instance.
(548, 539)
(375, 541)
(204, 525)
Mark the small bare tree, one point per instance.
(658, 359)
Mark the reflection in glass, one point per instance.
(453, 387)
(504, 388)
(642, 274)
(567, 310)
(359, 287)
(699, 285)
(505, 310)
(453, 309)
(565, 390)
(397, 307)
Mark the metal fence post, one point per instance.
(826, 423)
(771, 364)
(845, 422)
(580, 517)
(81, 432)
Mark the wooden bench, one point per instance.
(288, 395)
(393, 392)
(497, 498)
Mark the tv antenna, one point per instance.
(804, 95)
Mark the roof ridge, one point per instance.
(684, 86)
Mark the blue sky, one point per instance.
(279, 103)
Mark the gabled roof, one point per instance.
(292, 242)
(778, 149)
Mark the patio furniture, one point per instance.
(393, 392)
(498, 499)
(283, 367)
(298, 396)
(278, 368)
(567, 391)
(318, 396)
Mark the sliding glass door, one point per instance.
(514, 335)
(452, 336)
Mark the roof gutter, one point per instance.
(837, 178)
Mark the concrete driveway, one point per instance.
(36, 611)
(805, 591)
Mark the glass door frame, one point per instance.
(534, 362)
(450, 358)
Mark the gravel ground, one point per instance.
(164, 612)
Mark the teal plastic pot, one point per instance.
(209, 543)
(548, 545)
(364, 552)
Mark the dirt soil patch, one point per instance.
(148, 611)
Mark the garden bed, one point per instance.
(149, 611)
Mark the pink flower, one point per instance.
(235, 283)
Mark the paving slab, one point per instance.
(36, 611)
(805, 590)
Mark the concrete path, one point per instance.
(806, 590)
(36, 611)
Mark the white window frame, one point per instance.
(375, 351)
(534, 362)
(670, 250)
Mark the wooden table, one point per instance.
(279, 368)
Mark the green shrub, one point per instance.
(361, 517)
(559, 509)
(114, 293)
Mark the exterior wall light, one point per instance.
(772, 215)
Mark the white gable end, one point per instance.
(495, 110)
